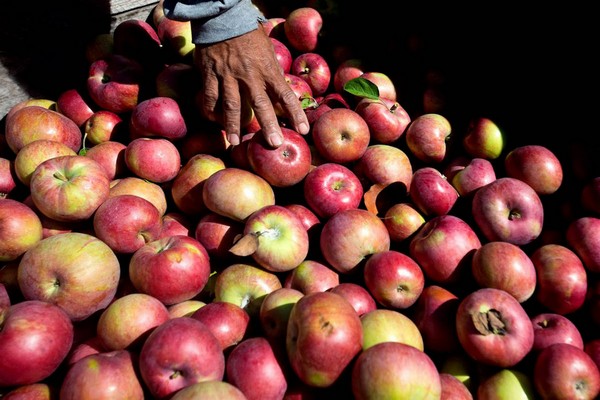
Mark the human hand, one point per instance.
(243, 72)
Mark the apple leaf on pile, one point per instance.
(362, 87)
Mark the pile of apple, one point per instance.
(143, 256)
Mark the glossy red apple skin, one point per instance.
(550, 328)
(311, 276)
(157, 117)
(33, 391)
(111, 155)
(274, 313)
(426, 137)
(385, 85)
(453, 388)
(582, 237)
(283, 55)
(153, 158)
(535, 165)
(494, 328)
(384, 164)
(148, 190)
(509, 210)
(403, 220)
(218, 234)
(443, 248)
(565, 371)
(75, 105)
(20, 229)
(350, 236)
(394, 279)
(314, 69)
(592, 347)
(348, 69)
(137, 39)
(431, 192)
(341, 135)
(330, 188)
(505, 266)
(562, 280)
(227, 321)
(210, 390)
(301, 27)
(476, 173)
(283, 166)
(360, 298)
(387, 119)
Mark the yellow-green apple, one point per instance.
(20, 229)
(76, 271)
(111, 155)
(394, 279)
(433, 313)
(274, 313)
(564, 371)
(69, 187)
(157, 117)
(246, 285)
(302, 27)
(461, 366)
(148, 190)
(32, 391)
(431, 192)
(101, 376)
(346, 70)
(402, 221)
(426, 137)
(229, 322)
(506, 266)
(385, 85)
(550, 328)
(187, 186)
(279, 241)
(395, 370)
(535, 165)
(506, 383)
(341, 135)
(126, 223)
(508, 210)
(157, 13)
(387, 119)
(283, 54)
(562, 280)
(128, 320)
(32, 123)
(483, 139)
(453, 388)
(357, 295)
(209, 390)
(100, 46)
(383, 164)
(314, 69)
(583, 239)
(266, 379)
(590, 195)
(137, 39)
(236, 193)
(178, 345)
(217, 234)
(104, 125)
(185, 308)
(311, 276)
(493, 328)
(443, 248)
(155, 159)
(114, 83)
(389, 325)
(351, 236)
(75, 104)
(8, 177)
(171, 269)
(284, 166)
(330, 188)
(176, 39)
(35, 338)
(470, 175)
(324, 335)
(175, 223)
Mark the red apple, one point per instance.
(273, 27)
(535, 165)
(564, 371)
(157, 117)
(148, 190)
(314, 69)
(8, 177)
(185, 308)
(475, 173)
(426, 137)
(550, 328)
(324, 335)
(351, 236)
(35, 338)
(385, 85)
(330, 188)
(431, 192)
(20, 229)
(218, 234)
(111, 155)
(178, 353)
(175, 223)
(75, 105)
(583, 239)
(402, 221)
(229, 322)
(254, 367)
(590, 195)
(346, 70)
(508, 210)
(506, 266)
(209, 390)
(394, 279)
(357, 295)
(137, 39)
(33, 391)
(275, 311)
(300, 87)
(395, 370)
(99, 46)
(562, 281)
(178, 81)
(101, 376)
(311, 276)
(389, 325)
(387, 119)
(283, 166)
(155, 159)
(483, 139)
(453, 388)
(341, 135)
(176, 38)
(302, 27)
(443, 247)
(494, 328)
(384, 164)
(309, 219)
(592, 347)
(283, 55)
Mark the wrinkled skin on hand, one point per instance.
(244, 72)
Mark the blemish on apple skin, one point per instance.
(326, 325)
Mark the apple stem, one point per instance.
(175, 375)
(59, 175)
(489, 322)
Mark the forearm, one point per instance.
(215, 21)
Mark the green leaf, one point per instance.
(362, 87)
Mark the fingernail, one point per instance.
(234, 140)
(303, 128)
(275, 139)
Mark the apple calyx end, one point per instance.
(489, 323)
